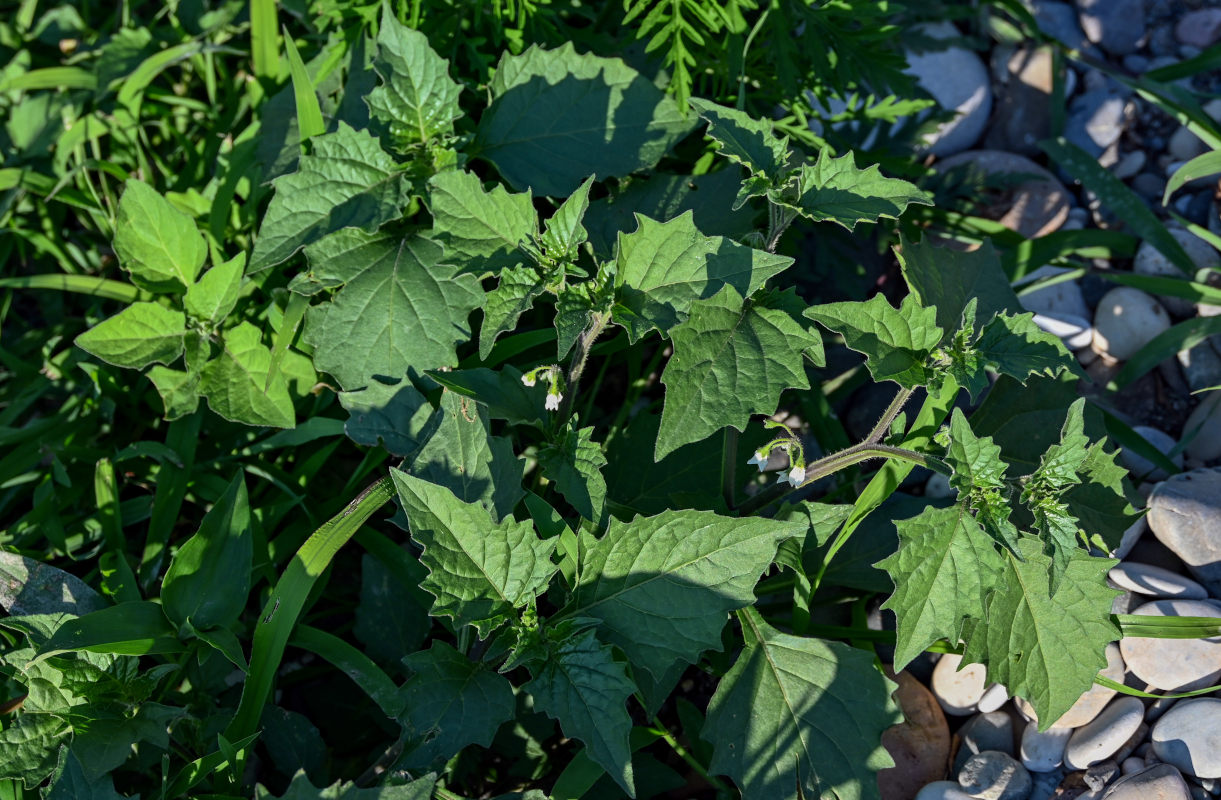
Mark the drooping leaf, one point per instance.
(139, 335)
(1046, 647)
(448, 703)
(948, 279)
(574, 462)
(417, 97)
(158, 244)
(896, 342)
(480, 573)
(214, 295)
(394, 416)
(664, 267)
(400, 309)
(943, 572)
(800, 718)
(236, 384)
(662, 587)
(557, 117)
(209, 577)
(482, 231)
(834, 190)
(750, 142)
(563, 232)
(500, 391)
(348, 181)
(582, 686)
(1014, 345)
(463, 456)
(730, 361)
(391, 620)
(505, 304)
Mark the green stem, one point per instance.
(685, 755)
(888, 416)
(778, 220)
(584, 342)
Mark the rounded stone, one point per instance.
(919, 745)
(1185, 145)
(993, 775)
(959, 82)
(1102, 737)
(943, 790)
(1199, 28)
(1155, 581)
(1063, 299)
(958, 691)
(1095, 699)
(1140, 466)
(1075, 332)
(1115, 25)
(1126, 320)
(994, 697)
(1043, 751)
(1185, 512)
(1036, 207)
(1130, 537)
(1157, 782)
(1174, 665)
(992, 730)
(1204, 427)
(1189, 737)
(1150, 261)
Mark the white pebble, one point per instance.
(1101, 738)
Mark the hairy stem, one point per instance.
(778, 220)
(584, 342)
(888, 416)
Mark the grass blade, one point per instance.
(51, 78)
(1119, 687)
(1167, 627)
(1198, 167)
(80, 284)
(1154, 284)
(353, 663)
(106, 492)
(181, 437)
(1185, 335)
(264, 49)
(309, 113)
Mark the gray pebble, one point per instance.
(983, 732)
(1150, 580)
(942, 790)
(1188, 736)
(1103, 736)
(993, 775)
(1160, 782)
(1185, 511)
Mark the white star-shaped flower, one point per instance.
(759, 459)
(553, 402)
(797, 475)
(528, 379)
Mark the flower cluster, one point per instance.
(555, 384)
(796, 474)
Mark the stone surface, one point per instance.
(1138, 465)
(1174, 665)
(1204, 428)
(1095, 120)
(1075, 332)
(1150, 261)
(1059, 21)
(943, 790)
(958, 691)
(993, 775)
(1200, 28)
(1155, 581)
(994, 697)
(1160, 782)
(1103, 736)
(920, 745)
(992, 730)
(1115, 25)
(1063, 299)
(1201, 364)
(1033, 208)
(1185, 516)
(1130, 537)
(1189, 737)
(1023, 111)
(1043, 751)
(1126, 320)
(1185, 145)
(959, 82)
(1095, 699)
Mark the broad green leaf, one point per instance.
(31, 744)
(662, 587)
(391, 621)
(750, 142)
(399, 310)
(1104, 503)
(943, 572)
(1046, 647)
(28, 586)
(1014, 345)
(557, 117)
(574, 463)
(394, 416)
(347, 181)
(834, 190)
(215, 294)
(482, 231)
(582, 686)
(463, 456)
(896, 342)
(158, 244)
(563, 232)
(136, 628)
(179, 391)
(301, 789)
(644, 486)
(417, 98)
(479, 573)
(105, 743)
(139, 335)
(73, 784)
(448, 703)
(234, 381)
(949, 279)
(505, 304)
(500, 391)
(209, 577)
(800, 718)
(664, 267)
(730, 361)
(293, 742)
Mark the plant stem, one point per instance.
(584, 342)
(888, 416)
(685, 755)
(778, 220)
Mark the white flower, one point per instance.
(797, 475)
(759, 459)
(553, 401)
(528, 379)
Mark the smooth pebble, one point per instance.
(958, 691)
(993, 775)
(1115, 25)
(1103, 736)
(1204, 426)
(1188, 736)
(1043, 751)
(1199, 28)
(959, 82)
(991, 730)
(943, 790)
(1095, 698)
(1185, 513)
(1140, 466)
(1126, 320)
(1174, 665)
(1063, 299)
(994, 697)
(1075, 332)
(1158, 782)
(1155, 581)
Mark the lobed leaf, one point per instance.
(139, 335)
(574, 463)
(417, 98)
(896, 342)
(482, 231)
(834, 190)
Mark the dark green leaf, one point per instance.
(482, 231)
(948, 279)
(834, 190)
(574, 462)
(416, 97)
(393, 416)
(136, 628)
(505, 304)
(896, 343)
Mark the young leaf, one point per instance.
(563, 232)
(661, 587)
(979, 477)
(664, 267)
(481, 231)
(834, 190)
(139, 335)
(465, 458)
(750, 142)
(234, 381)
(574, 462)
(505, 304)
(1046, 647)
(582, 686)
(896, 342)
(347, 182)
(949, 279)
(479, 573)
(1014, 345)
(731, 360)
(575, 305)
(943, 572)
(399, 309)
(417, 97)
(209, 576)
(394, 416)
(448, 703)
(215, 294)
(158, 244)
(800, 718)
(558, 116)
(179, 391)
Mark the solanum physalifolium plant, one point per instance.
(578, 563)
